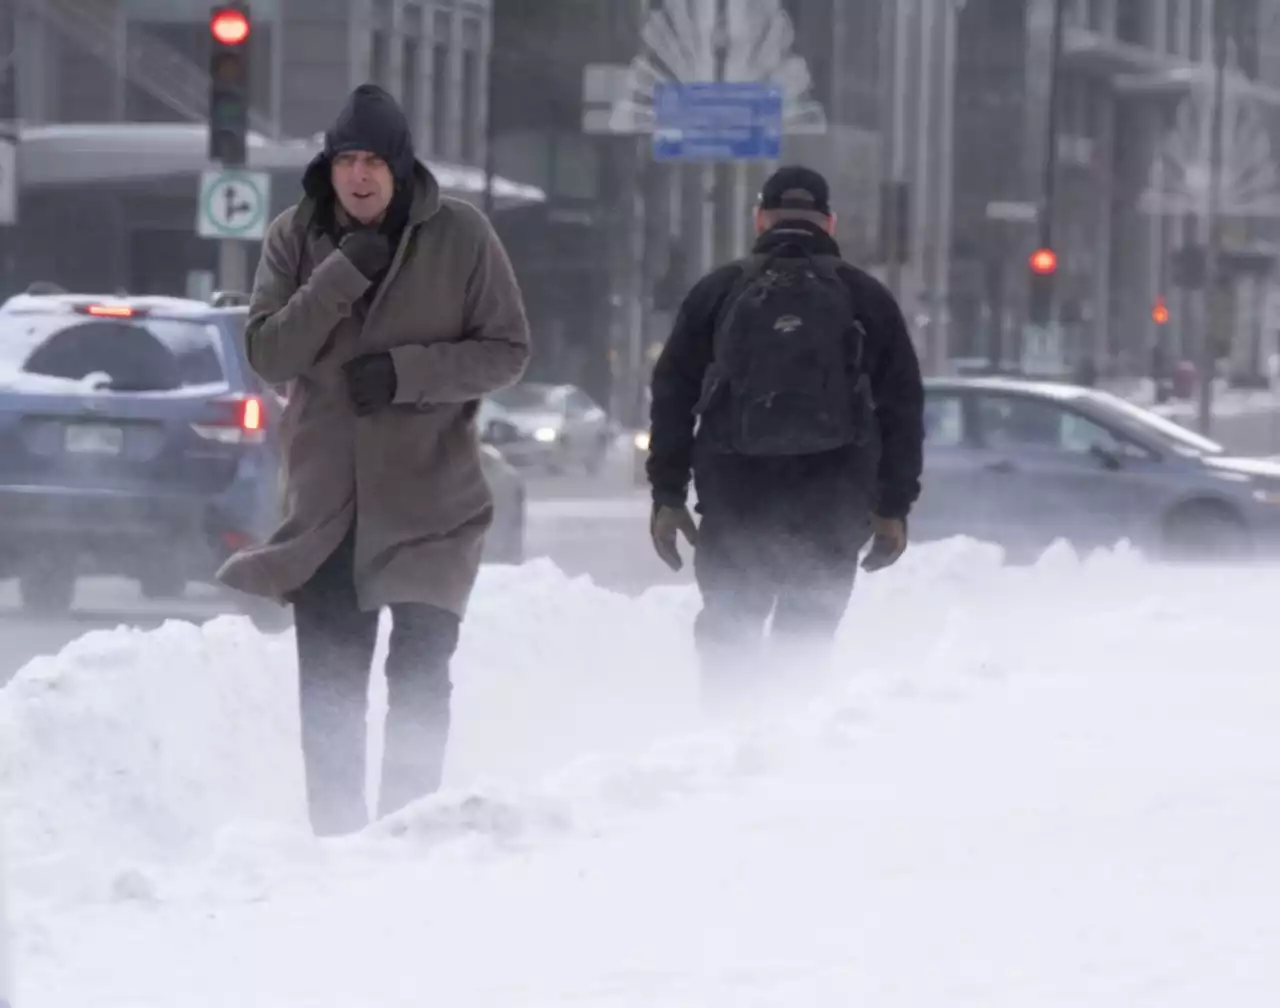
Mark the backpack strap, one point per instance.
(752, 267)
(828, 266)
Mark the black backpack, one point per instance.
(786, 376)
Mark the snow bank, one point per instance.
(132, 751)
(1047, 785)
(134, 748)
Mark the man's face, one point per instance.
(363, 183)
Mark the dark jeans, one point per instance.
(336, 642)
(801, 574)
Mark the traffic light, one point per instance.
(229, 31)
(1159, 312)
(1043, 263)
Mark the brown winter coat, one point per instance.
(452, 317)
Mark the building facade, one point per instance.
(1130, 162)
(622, 236)
(95, 62)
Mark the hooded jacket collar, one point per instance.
(808, 236)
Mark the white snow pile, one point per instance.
(1056, 785)
(139, 748)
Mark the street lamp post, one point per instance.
(1213, 240)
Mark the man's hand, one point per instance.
(368, 250)
(371, 382)
(888, 543)
(664, 526)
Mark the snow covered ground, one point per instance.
(1053, 786)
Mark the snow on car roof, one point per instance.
(153, 303)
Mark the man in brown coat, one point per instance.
(389, 310)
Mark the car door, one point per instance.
(1054, 473)
(952, 493)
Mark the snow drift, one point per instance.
(140, 748)
(1050, 785)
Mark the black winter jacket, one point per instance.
(896, 389)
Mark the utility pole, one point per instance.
(894, 203)
(230, 30)
(1212, 313)
(1049, 168)
(490, 126)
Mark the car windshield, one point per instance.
(525, 397)
(1178, 438)
(47, 352)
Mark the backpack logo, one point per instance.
(788, 324)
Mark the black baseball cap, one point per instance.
(795, 187)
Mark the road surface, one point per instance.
(596, 527)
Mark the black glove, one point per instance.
(371, 382)
(665, 525)
(368, 250)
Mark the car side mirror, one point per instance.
(1106, 457)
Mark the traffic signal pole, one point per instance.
(1212, 318)
(1041, 280)
(1050, 166)
(230, 29)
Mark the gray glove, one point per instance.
(666, 524)
(888, 543)
(368, 250)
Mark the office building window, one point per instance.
(411, 64)
(1198, 50)
(1131, 24)
(441, 50)
(472, 86)
(379, 43)
(1100, 17)
(1172, 24)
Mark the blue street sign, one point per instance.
(717, 121)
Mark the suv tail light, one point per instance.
(245, 422)
(109, 310)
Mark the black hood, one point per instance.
(807, 235)
(373, 121)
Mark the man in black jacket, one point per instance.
(790, 392)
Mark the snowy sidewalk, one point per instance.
(1055, 787)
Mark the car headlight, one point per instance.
(642, 441)
(546, 435)
(1267, 495)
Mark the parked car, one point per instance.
(555, 427)
(135, 441)
(505, 543)
(1023, 463)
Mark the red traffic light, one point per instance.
(229, 26)
(1160, 312)
(1043, 261)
